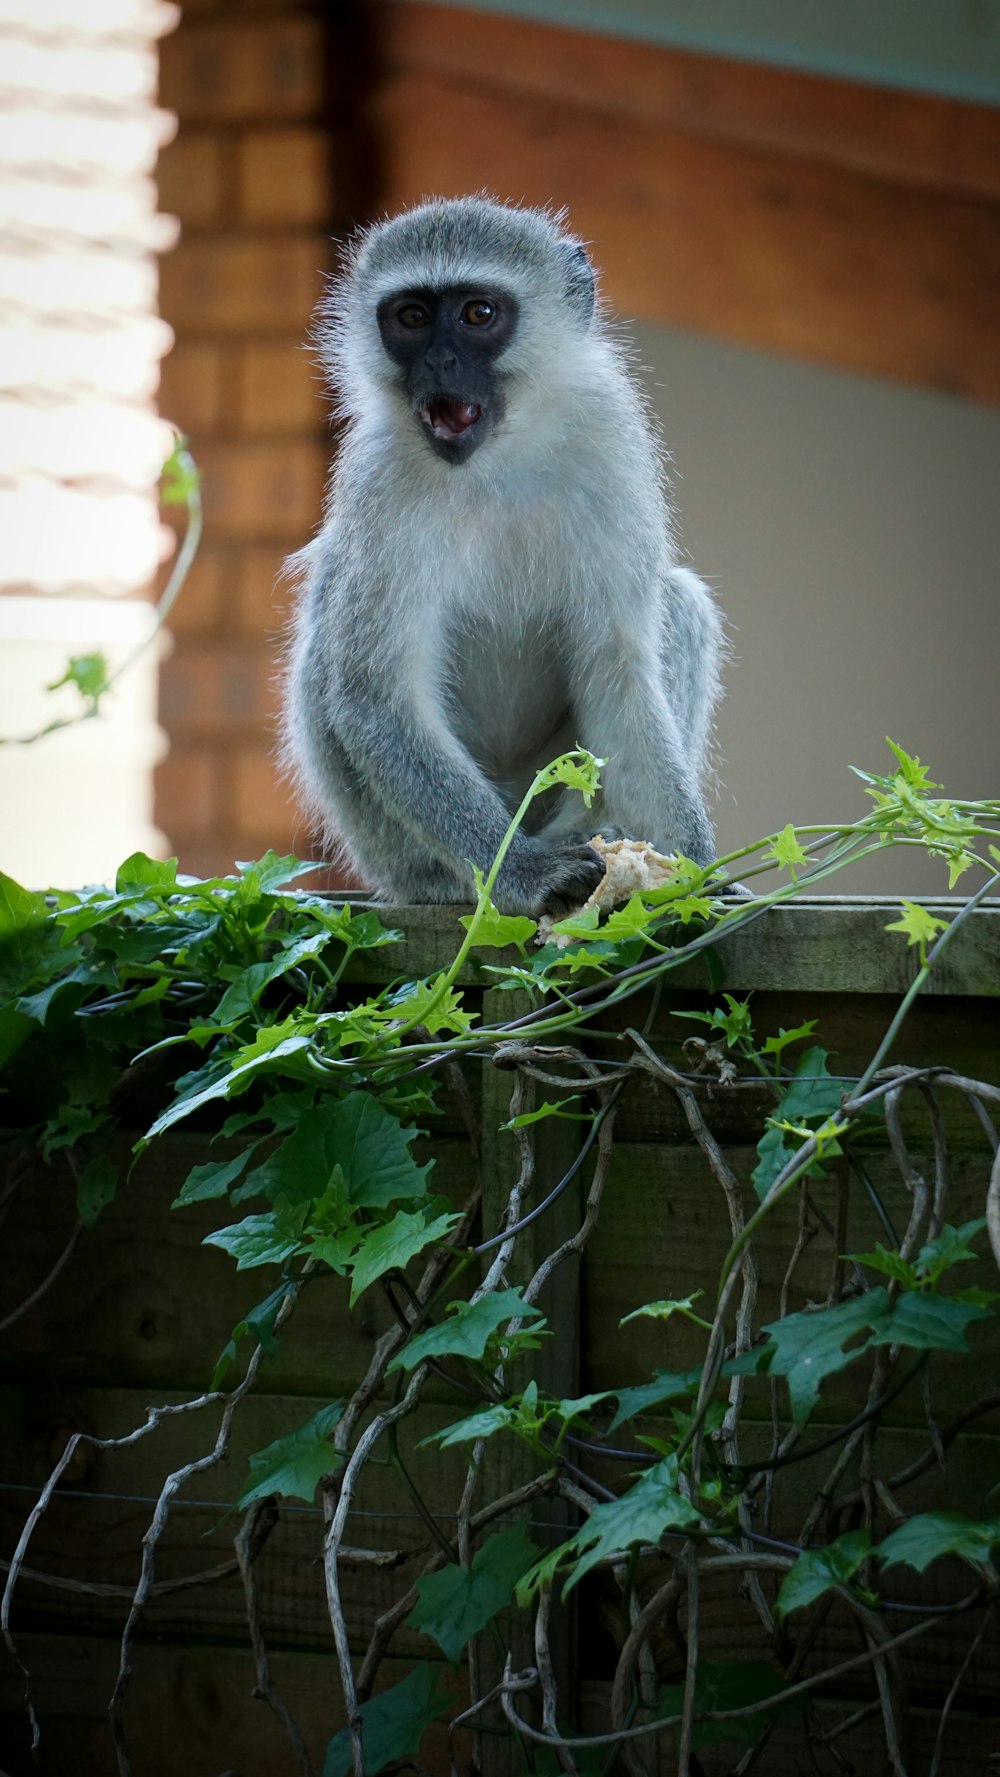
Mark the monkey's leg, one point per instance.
(381, 846)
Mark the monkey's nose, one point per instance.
(441, 362)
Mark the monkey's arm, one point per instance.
(377, 757)
(647, 710)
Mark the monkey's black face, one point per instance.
(447, 343)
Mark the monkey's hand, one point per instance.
(548, 879)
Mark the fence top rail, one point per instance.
(824, 944)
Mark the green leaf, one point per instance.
(88, 672)
(929, 1535)
(578, 925)
(95, 1189)
(458, 1602)
(467, 1329)
(809, 1096)
(295, 1464)
(422, 1002)
(889, 1263)
(476, 1425)
(667, 1385)
(808, 1347)
(774, 1152)
(816, 1570)
(810, 1092)
(548, 1109)
(244, 992)
(392, 1724)
(734, 1022)
(211, 1180)
(15, 1028)
(272, 871)
(260, 1322)
(666, 1309)
(729, 1684)
(787, 852)
(358, 1135)
(928, 1323)
(496, 930)
(262, 1240)
(912, 771)
(391, 1246)
(180, 481)
(138, 871)
(578, 770)
(271, 1052)
(777, 1045)
(633, 920)
(654, 1504)
(952, 1246)
(920, 927)
(25, 935)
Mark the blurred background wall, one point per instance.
(80, 443)
(795, 208)
(804, 229)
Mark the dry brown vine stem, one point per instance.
(464, 1541)
(546, 1676)
(521, 1100)
(993, 1209)
(154, 1415)
(914, 1181)
(690, 1564)
(253, 1534)
(173, 1483)
(804, 1686)
(341, 1487)
(188, 1582)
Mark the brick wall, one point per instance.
(249, 176)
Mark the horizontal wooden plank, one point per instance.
(142, 1301)
(747, 243)
(825, 944)
(906, 137)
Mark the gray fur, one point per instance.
(461, 626)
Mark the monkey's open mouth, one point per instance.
(446, 417)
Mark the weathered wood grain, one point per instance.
(830, 944)
(908, 138)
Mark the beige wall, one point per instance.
(852, 530)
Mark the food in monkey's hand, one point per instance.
(631, 866)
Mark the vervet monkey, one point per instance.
(494, 582)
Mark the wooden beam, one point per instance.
(911, 138)
(757, 225)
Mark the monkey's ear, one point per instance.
(580, 286)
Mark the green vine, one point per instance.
(234, 1004)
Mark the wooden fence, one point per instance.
(142, 1309)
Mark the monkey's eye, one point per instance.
(479, 313)
(412, 315)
